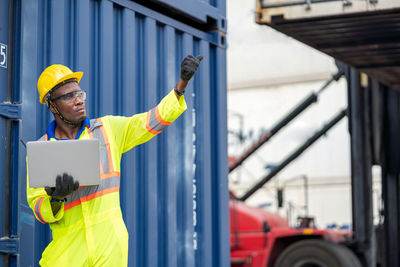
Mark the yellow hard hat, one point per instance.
(52, 76)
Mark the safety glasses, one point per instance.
(70, 97)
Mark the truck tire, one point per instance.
(316, 253)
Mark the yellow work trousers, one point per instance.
(100, 244)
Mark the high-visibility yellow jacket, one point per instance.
(88, 229)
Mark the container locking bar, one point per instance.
(10, 111)
(9, 245)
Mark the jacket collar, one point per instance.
(52, 126)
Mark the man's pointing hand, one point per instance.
(189, 66)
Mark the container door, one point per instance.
(9, 132)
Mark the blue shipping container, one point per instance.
(174, 193)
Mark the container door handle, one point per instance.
(10, 111)
(9, 245)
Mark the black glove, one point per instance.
(65, 185)
(189, 66)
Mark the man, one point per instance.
(86, 222)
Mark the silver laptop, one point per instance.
(79, 158)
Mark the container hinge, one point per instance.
(10, 111)
(9, 245)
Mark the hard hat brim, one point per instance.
(77, 75)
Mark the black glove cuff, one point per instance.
(58, 200)
(177, 92)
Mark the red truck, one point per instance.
(263, 239)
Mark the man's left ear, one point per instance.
(50, 107)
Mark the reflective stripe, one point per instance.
(155, 124)
(74, 196)
(85, 191)
(94, 123)
(104, 184)
(72, 204)
(148, 124)
(101, 193)
(107, 143)
(160, 120)
(91, 197)
(38, 206)
(105, 152)
(100, 163)
(101, 169)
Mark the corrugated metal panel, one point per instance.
(174, 193)
(210, 13)
(9, 139)
(200, 9)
